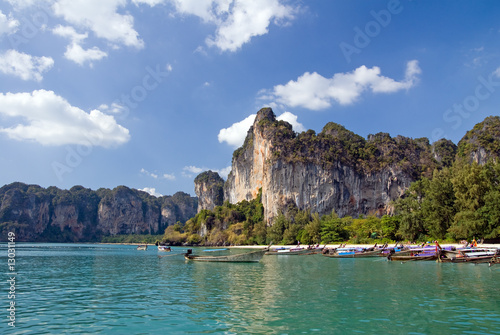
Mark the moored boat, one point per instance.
(142, 247)
(164, 248)
(354, 252)
(283, 251)
(427, 253)
(469, 255)
(249, 257)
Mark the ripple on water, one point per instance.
(82, 289)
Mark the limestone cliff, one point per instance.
(482, 142)
(333, 170)
(123, 211)
(209, 188)
(81, 214)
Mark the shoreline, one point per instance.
(456, 245)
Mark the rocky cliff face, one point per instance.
(334, 170)
(124, 212)
(80, 214)
(209, 188)
(482, 142)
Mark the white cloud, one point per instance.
(235, 134)
(191, 171)
(115, 108)
(169, 176)
(49, 119)
(292, 119)
(497, 72)
(24, 66)
(156, 176)
(74, 51)
(151, 3)
(152, 191)
(102, 18)
(237, 21)
(224, 172)
(149, 174)
(315, 92)
(8, 25)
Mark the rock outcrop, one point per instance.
(482, 142)
(333, 170)
(209, 188)
(80, 214)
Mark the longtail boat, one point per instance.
(282, 251)
(354, 252)
(428, 253)
(253, 256)
(142, 247)
(469, 255)
(164, 248)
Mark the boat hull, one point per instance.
(360, 254)
(250, 257)
(293, 252)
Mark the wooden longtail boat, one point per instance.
(469, 255)
(354, 252)
(253, 256)
(415, 254)
(419, 257)
(164, 248)
(294, 251)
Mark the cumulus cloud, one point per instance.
(191, 171)
(51, 120)
(315, 92)
(236, 133)
(24, 66)
(152, 191)
(74, 51)
(102, 18)
(237, 21)
(8, 25)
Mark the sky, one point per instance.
(150, 93)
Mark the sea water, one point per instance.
(115, 289)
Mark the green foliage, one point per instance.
(485, 135)
(461, 202)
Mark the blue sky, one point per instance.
(149, 93)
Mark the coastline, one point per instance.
(456, 245)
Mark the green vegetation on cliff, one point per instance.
(454, 203)
(336, 144)
(485, 135)
(55, 215)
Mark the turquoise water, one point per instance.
(108, 289)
